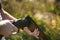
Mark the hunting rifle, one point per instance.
(29, 22)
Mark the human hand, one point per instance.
(35, 33)
(7, 28)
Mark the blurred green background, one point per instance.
(46, 13)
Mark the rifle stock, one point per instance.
(30, 23)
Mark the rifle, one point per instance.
(31, 24)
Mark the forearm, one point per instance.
(6, 15)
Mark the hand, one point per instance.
(35, 33)
(7, 28)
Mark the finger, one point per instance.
(12, 21)
(37, 28)
(37, 33)
(36, 36)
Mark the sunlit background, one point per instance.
(46, 13)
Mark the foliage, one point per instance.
(18, 8)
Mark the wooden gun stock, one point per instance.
(30, 23)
